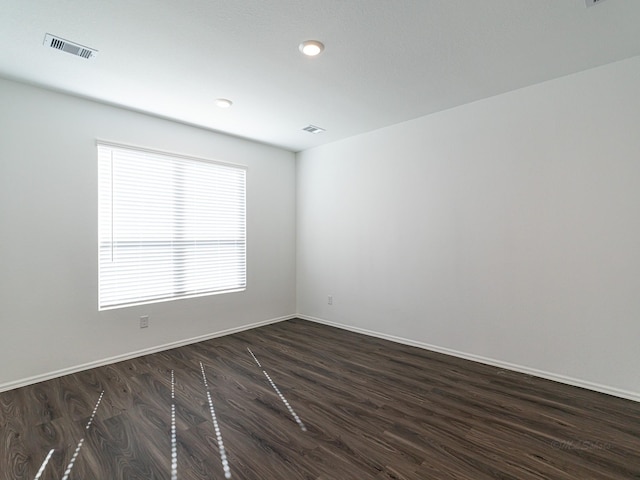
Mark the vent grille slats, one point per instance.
(313, 129)
(69, 47)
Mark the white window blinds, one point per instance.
(169, 226)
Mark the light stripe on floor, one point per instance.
(73, 460)
(174, 447)
(284, 400)
(67, 472)
(254, 357)
(44, 465)
(95, 409)
(223, 452)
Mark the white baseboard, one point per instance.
(128, 356)
(616, 392)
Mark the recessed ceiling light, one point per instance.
(223, 103)
(311, 48)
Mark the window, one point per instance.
(169, 226)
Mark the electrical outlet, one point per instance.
(330, 300)
(144, 321)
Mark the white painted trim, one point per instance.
(616, 392)
(128, 356)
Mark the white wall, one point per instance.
(49, 319)
(506, 230)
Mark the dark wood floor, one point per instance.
(366, 409)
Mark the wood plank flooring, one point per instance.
(366, 409)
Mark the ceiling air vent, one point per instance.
(313, 129)
(69, 47)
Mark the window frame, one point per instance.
(180, 161)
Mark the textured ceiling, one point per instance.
(386, 61)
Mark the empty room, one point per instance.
(320, 240)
